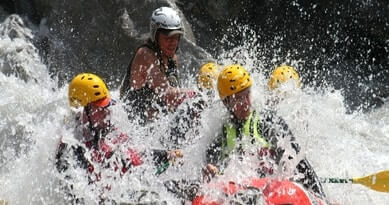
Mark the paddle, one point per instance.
(378, 181)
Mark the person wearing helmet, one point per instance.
(207, 76)
(151, 84)
(97, 136)
(283, 74)
(283, 80)
(264, 132)
(206, 80)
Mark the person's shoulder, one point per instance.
(267, 113)
(145, 55)
(270, 116)
(145, 51)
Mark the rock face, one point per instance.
(100, 37)
(344, 44)
(103, 36)
(19, 56)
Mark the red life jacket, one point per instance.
(104, 151)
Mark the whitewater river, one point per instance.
(33, 110)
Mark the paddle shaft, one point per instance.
(336, 180)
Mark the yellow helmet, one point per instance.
(207, 75)
(281, 75)
(233, 79)
(86, 88)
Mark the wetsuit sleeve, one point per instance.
(310, 180)
(159, 157)
(214, 151)
(60, 162)
(72, 153)
(79, 153)
(276, 131)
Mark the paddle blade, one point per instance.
(378, 181)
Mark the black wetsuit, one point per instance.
(140, 102)
(272, 128)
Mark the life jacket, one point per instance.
(249, 129)
(142, 100)
(103, 152)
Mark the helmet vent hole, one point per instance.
(97, 93)
(82, 78)
(90, 78)
(96, 86)
(232, 88)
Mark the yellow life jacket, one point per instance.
(250, 129)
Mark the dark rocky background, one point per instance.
(342, 44)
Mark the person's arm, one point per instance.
(275, 130)
(66, 151)
(143, 60)
(214, 159)
(146, 72)
(61, 163)
(160, 157)
(310, 180)
(214, 152)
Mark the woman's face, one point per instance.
(168, 44)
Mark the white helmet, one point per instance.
(165, 18)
